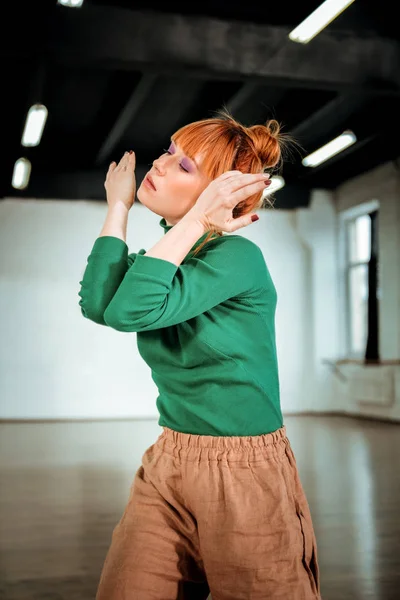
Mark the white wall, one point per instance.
(375, 390)
(289, 260)
(382, 184)
(349, 388)
(318, 227)
(56, 364)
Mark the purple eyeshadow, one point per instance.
(186, 164)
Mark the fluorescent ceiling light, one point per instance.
(21, 174)
(277, 182)
(346, 139)
(71, 3)
(34, 125)
(318, 20)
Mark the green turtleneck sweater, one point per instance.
(206, 329)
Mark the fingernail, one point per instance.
(255, 218)
(268, 182)
(130, 151)
(266, 175)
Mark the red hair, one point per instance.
(227, 145)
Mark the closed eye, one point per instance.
(180, 164)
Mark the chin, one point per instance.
(141, 194)
(145, 199)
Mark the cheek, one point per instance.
(183, 189)
(198, 185)
(188, 189)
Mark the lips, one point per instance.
(150, 182)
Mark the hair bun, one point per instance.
(267, 142)
(273, 128)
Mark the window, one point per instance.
(361, 284)
(359, 245)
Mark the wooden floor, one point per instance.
(63, 487)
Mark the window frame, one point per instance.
(345, 264)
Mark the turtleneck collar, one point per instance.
(163, 224)
(166, 228)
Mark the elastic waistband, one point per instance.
(174, 442)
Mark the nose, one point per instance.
(160, 165)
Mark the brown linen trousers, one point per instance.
(226, 515)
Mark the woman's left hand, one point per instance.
(215, 204)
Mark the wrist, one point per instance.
(116, 221)
(196, 220)
(117, 206)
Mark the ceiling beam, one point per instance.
(327, 122)
(307, 173)
(197, 45)
(89, 185)
(68, 184)
(254, 103)
(346, 113)
(242, 97)
(329, 116)
(367, 154)
(125, 117)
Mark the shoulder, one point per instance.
(238, 245)
(241, 242)
(234, 258)
(236, 254)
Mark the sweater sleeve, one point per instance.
(106, 267)
(156, 293)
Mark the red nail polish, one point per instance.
(255, 218)
(267, 182)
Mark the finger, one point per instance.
(122, 162)
(241, 222)
(248, 190)
(245, 179)
(111, 167)
(132, 160)
(228, 175)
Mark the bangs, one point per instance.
(216, 142)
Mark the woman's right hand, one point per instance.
(120, 183)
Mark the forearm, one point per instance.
(177, 243)
(116, 222)
(106, 267)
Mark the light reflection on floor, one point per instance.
(63, 487)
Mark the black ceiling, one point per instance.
(121, 75)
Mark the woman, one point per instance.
(217, 504)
